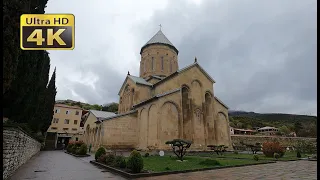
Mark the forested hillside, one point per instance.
(110, 107)
(303, 125)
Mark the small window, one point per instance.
(67, 112)
(162, 63)
(77, 139)
(152, 63)
(65, 129)
(75, 122)
(66, 121)
(55, 120)
(74, 129)
(53, 128)
(57, 111)
(77, 112)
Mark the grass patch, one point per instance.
(287, 156)
(167, 163)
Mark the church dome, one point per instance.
(159, 38)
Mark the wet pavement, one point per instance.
(291, 170)
(57, 165)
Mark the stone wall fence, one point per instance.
(284, 141)
(18, 148)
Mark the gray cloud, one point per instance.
(261, 53)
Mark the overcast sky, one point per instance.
(262, 54)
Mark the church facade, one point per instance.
(163, 103)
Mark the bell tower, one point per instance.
(159, 57)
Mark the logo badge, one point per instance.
(47, 31)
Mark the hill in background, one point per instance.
(110, 107)
(303, 125)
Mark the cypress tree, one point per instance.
(50, 97)
(12, 10)
(25, 73)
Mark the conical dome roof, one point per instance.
(159, 38)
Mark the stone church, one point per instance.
(164, 102)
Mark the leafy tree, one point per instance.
(232, 124)
(253, 147)
(285, 130)
(297, 127)
(113, 107)
(179, 147)
(220, 149)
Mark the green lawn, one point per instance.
(167, 163)
(287, 156)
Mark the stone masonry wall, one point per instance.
(18, 148)
(284, 141)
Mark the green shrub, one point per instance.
(120, 162)
(210, 162)
(276, 155)
(236, 152)
(110, 159)
(69, 148)
(146, 155)
(78, 143)
(82, 150)
(167, 169)
(305, 147)
(298, 154)
(135, 162)
(99, 152)
(102, 158)
(74, 150)
(256, 157)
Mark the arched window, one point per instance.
(152, 63)
(162, 63)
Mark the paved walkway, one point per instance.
(292, 170)
(57, 165)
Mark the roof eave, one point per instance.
(158, 43)
(221, 102)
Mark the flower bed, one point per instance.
(161, 166)
(77, 149)
(77, 155)
(137, 166)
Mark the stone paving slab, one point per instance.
(57, 165)
(291, 170)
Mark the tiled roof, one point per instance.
(159, 38)
(119, 115)
(139, 80)
(135, 79)
(185, 69)
(267, 127)
(102, 114)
